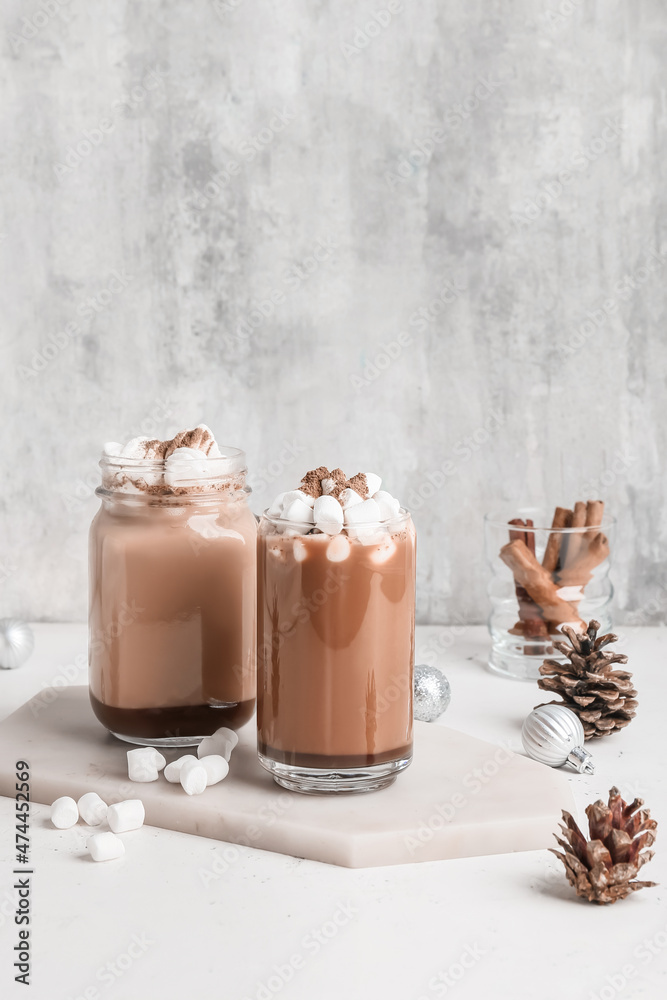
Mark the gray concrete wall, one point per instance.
(426, 239)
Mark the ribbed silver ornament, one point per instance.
(16, 642)
(554, 735)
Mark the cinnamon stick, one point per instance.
(530, 623)
(562, 519)
(594, 512)
(595, 549)
(572, 541)
(528, 573)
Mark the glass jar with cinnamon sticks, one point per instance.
(549, 569)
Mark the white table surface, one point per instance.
(394, 933)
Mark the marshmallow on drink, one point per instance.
(388, 505)
(349, 497)
(292, 495)
(276, 508)
(328, 515)
(221, 742)
(338, 549)
(185, 466)
(366, 512)
(64, 813)
(135, 448)
(298, 510)
(300, 552)
(373, 483)
(333, 505)
(383, 551)
(106, 847)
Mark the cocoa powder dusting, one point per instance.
(156, 448)
(196, 438)
(359, 485)
(311, 483)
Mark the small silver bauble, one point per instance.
(554, 735)
(432, 693)
(16, 642)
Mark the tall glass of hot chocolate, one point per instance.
(336, 611)
(172, 591)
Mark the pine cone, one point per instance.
(604, 699)
(602, 868)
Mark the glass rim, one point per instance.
(185, 497)
(496, 520)
(402, 516)
(233, 457)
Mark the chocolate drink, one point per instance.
(336, 646)
(172, 610)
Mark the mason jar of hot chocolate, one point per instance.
(172, 591)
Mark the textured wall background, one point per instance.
(424, 238)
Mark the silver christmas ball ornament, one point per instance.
(432, 693)
(554, 735)
(16, 642)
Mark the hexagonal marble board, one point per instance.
(461, 797)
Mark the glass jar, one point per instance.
(172, 601)
(336, 621)
(543, 577)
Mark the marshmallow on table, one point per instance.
(216, 768)
(144, 763)
(373, 483)
(193, 777)
(92, 809)
(172, 772)
(125, 816)
(64, 813)
(105, 847)
(221, 742)
(328, 515)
